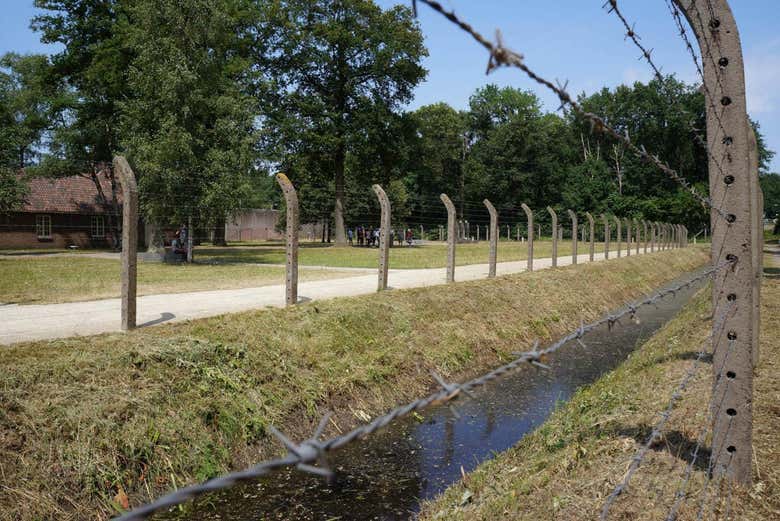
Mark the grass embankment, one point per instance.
(567, 467)
(430, 255)
(46, 280)
(83, 421)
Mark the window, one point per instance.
(43, 226)
(98, 227)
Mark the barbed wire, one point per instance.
(680, 496)
(658, 428)
(612, 7)
(501, 56)
(311, 451)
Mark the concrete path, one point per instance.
(19, 323)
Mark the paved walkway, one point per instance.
(19, 323)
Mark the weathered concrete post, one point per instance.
(573, 217)
(592, 235)
(627, 222)
(451, 237)
(493, 235)
(619, 235)
(530, 216)
(651, 224)
(554, 217)
(291, 235)
(732, 234)
(606, 235)
(129, 241)
(384, 236)
(645, 234)
(636, 234)
(508, 236)
(422, 233)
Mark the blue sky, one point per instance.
(568, 40)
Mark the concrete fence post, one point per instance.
(636, 234)
(732, 187)
(554, 218)
(591, 235)
(384, 236)
(627, 223)
(652, 236)
(573, 217)
(606, 235)
(129, 255)
(422, 233)
(645, 234)
(451, 237)
(530, 216)
(493, 234)
(291, 237)
(619, 235)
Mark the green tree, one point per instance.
(333, 67)
(189, 125)
(770, 185)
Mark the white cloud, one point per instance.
(632, 75)
(762, 78)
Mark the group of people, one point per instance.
(369, 237)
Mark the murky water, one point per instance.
(386, 476)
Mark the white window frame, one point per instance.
(98, 227)
(43, 226)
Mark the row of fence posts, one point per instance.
(662, 236)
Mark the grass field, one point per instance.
(430, 255)
(50, 279)
(567, 468)
(85, 420)
(43, 279)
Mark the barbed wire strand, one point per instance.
(612, 6)
(501, 56)
(680, 495)
(658, 428)
(312, 450)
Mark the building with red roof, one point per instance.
(64, 212)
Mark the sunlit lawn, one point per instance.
(49, 279)
(430, 255)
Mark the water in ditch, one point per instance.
(386, 476)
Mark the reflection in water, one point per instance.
(386, 476)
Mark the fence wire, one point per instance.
(307, 454)
(500, 56)
(658, 428)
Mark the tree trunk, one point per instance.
(338, 210)
(154, 240)
(190, 233)
(219, 233)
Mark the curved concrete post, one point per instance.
(645, 235)
(554, 217)
(592, 235)
(451, 237)
(493, 236)
(573, 217)
(129, 241)
(606, 235)
(619, 235)
(636, 234)
(728, 137)
(384, 235)
(291, 235)
(530, 216)
(627, 224)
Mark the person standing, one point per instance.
(349, 236)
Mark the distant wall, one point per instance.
(253, 225)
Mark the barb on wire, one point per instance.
(658, 429)
(502, 56)
(611, 6)
(312, 450)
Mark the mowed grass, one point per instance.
(566, 469)
(52, 279)
(84, 421)
(429, 255)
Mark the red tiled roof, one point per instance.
(75, 194)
